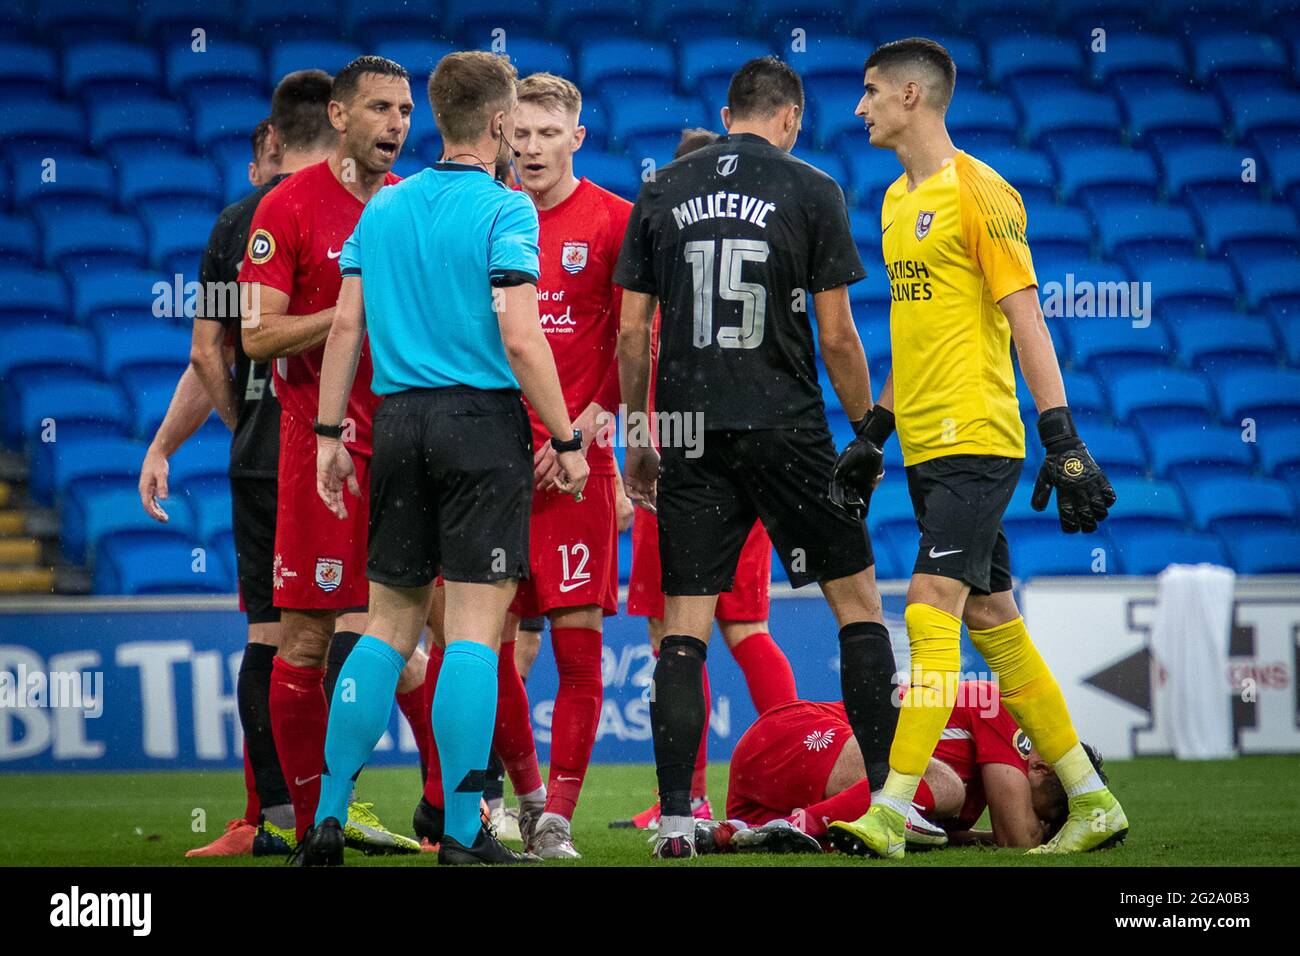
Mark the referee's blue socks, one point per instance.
(464, 717)
(359, 713)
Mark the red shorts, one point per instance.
(320, 560)
(746, 601)
(572, 551)
(784, 760)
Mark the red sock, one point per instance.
(299, 715)
(846, 805)
(924, 798)
(513, 739)
(420, 717)
(699, 781)
(252, 805)
(576, 715)
(432, 765)
(766, 670)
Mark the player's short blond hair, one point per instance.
(550, 92)
(466, 89)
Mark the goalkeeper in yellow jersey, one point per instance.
(963, 290)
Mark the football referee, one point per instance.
(734, 241)
(441, 272)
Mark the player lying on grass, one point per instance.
(798, 768)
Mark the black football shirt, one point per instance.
(735, 239)
(255, 446)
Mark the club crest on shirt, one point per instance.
(923, 222)
(574, 257)
(329, 574)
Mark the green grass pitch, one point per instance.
(1242, 812)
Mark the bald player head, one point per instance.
(908, 86)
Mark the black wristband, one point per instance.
(327, 431)
(1056, 425)
(876, 426)
(572, 444)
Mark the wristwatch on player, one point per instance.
(573, 444)
(327, 431)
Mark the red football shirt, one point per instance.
(980, 731)
(579, 304)
(294, 243)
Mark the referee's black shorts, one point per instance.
(707, 506)
(451, 487)
(252, 507)
(959, 501)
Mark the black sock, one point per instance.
(677, 719)
(867, 681)
(253, 691)
(494, 786)
(340, 647)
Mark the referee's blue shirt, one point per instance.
(429, 251)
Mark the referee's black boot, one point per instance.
(486, 851)
(322, 846)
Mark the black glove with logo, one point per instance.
(860, 464)
(1083, 492)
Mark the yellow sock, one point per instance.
(1028, 688)
(935, 639)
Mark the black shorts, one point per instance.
(959, 501)
(451, 487)
(252, 507)
(707, 506)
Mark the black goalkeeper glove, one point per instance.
(860, 464)
(1083, 492)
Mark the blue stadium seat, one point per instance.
(1181, 115)
(1270, 395)
(1284, 171)
(102, 70)
(1185, 283)
(1233, 505)
(891, 509)
(1266, 551)
(831, 103)
(1114, 447)
(1029, 171)
(1278, 448)
(780, 17)
(58, 350)
(142, 564)
(149, 393)
(1141, 56)
(94, 240)
(580, 21)
(1174, 393)
(70, 184)
(177, 240)
(618, 174)
(714, 57)
(1268, 112)
(27, 72)
(1148, 552)
(1070, 119)
(227, 120)
(29, 297)
(1248, 229)
(100, 296)
(1020, 518)
(1224, 340)
(201, 462)
(1139, 231)
(68, 21)
(978, 120)
(469, 20)
(225, 69)
(40, 128)
(826, 55)
(374, 22)
(1042, 551)
(291, 20)
(168, 22)
(74, 406)
(677, 20)
(60, 466)
(1106, 172)
(418, 56)
(143, 124)
(832, 164)
(20, 243)
(535, 55)
(655, 115)
(182, 184)
(1036, 56)
(1145, 505)
(328, 55)
(209, 500)
(648, 65)
(871, 172)
(1202, 450)
(142, 346)
(1202, 169)
(1265, 280)
(1059, 232)
(1254, 53)
(1110, 346)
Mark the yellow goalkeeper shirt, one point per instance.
(953, 247)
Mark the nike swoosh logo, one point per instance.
(566, 588)
(298, 781)
(896, 847)
(332, 254)
(943, 554)
(563, 779)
